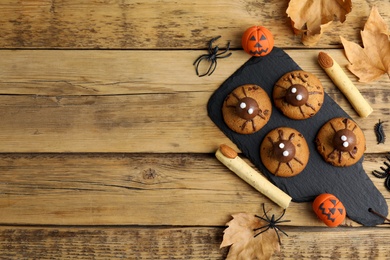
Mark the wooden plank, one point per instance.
(98, 101)
(179, 243)
(135, 189)
(128, 123)
(133, 123)
(94, 73)
(145, 24)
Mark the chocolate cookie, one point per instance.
(341, 142)
(298, 94)
(284, 152)
(247, 109)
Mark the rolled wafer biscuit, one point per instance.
(231, 160)
(341, 80)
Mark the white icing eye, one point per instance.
(250, 111)
(343, 138)
(293, 90)
(286, 153)
(345, 144)
(242, 105)
(281, 145)
(299, 97)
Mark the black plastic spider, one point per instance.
(385, 173)
(211, 57)
(271, 224)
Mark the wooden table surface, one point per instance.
(106, 149)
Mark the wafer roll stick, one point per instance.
(341, 80)
(231, 160)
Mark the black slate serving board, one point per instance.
(350, 184)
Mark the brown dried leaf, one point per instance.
(240, 236)
(312, 18)
(373, 60)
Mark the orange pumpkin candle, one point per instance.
(257, 41)
(329, 209)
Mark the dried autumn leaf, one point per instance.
(373, 60)
(312, 18)
(240, 236)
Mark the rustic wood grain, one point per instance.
(130, 189)
(128, 123)
(176, 243)
(149, 25)
(98, 73)
(103, 101)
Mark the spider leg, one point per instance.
(331, 153)
(200, 58)
(260, 231)
(278, 228)
(280, 242)
(334, 129)
(285, 90)
(244, 124)
(281, 216)
(227, 49)
(265, 213)
(223, 52)
(299, 161)
(198, 61)
(277, 169)
(345, 121)
(387, 182)
(341, 156)
(197, 67)
(257, 216)
(309, 105)
(315, 92)
(379, 174)
(260, 114)
(270, 140)
(253, 125)
(226, 56)
(214, 65)
(300, 109)
(211, 43)
(387, 164)
(290, 166)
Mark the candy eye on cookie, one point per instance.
(284, 150)
(298, 95)
(341, 142)
(247, 109)
(284, 157)
(344, 140)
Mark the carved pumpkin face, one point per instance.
(329, 209)
(257, 41)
